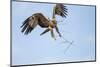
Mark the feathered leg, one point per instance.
(58, 31)
(47, 30)
(52, 34)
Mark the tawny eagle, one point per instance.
(39, 19)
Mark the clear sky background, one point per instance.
(79, 26)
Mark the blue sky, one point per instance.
(79, 26)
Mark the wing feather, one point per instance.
(60, 10)
(42, 20)
(31, 22)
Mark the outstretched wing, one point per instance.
(60, 10)
(31, 22)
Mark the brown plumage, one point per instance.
(60, 10)
(39, 19)
(34, 20)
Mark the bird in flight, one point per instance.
(39, 19)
